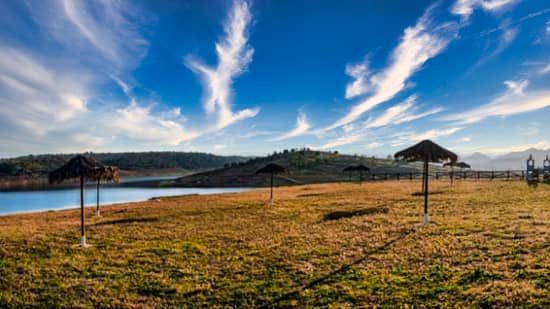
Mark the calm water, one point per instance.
(29, 201)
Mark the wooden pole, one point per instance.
(271, 193)
(452, 174)
(97, 213)
(425, 221)
(82, 232)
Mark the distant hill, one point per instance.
(509, 161)
(39, 165)
(305, 166)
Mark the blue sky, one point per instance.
(251, 77)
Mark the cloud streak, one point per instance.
(412, 137)
(465, 8)
(417, 45)
(400, 113)
(513, 101)
(302, 127)
(34, 96)
(234, 56)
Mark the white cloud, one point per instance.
(219, 147)
(465, 139)
(139, 123)
(36, 97)
(302, 127)
(399, 113)
(508, 36)
(361, 84)
(465, 8)
(517, 148)
(548, 27)
(343, 140)
(374, 145)
(234, 56)
(545, 70)
(412, 137)
(417, 45)
(516, 87)
(109, 26)
(513, 101)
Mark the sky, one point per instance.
(252, 77)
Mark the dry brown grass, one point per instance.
(487, 244)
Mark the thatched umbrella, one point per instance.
(361, 168)
(109, 173)
(426, 151)
(271, 169)
(349, 169)
(461, 165)
(78, 167)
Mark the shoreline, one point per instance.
(114, 203)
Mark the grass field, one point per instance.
(488, 244)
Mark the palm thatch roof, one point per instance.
(362, 168)
(109, 173)
(84, 166)
(458, 164)
(350, 168)
(353, 168)
(272, 168)
(426, 150)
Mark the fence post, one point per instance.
(397, 176)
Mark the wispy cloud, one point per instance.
(374, 145)
(513, 101)
(465, 8)
(361, 84)
(516, 148)
(343, 140)
(418, 44)
(302, 127)
(36, 97)
(508, 35)
(400, 113)
(412, 137)
(139, 123)
(545, 69)
(108, 34)
(234, 56)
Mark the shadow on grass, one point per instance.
(127, 221)
(418, 193)
(335, 215)
(294, 293)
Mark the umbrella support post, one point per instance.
(426, 178)
(97, 212)
(271, 191)
(82, 231)
(83, 243)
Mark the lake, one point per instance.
(31, 201)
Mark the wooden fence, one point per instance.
(456, 175)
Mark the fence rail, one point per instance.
(456, 175)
